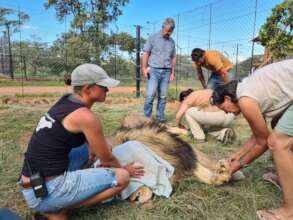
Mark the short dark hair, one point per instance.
(77, 89)
(219, 93)
(184, 94)
(196, 54)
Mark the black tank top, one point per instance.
(51, 143)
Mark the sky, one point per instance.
(232, 21)
(44, 24)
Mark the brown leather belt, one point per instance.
(27, 185)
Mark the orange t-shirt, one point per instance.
(201, 100)
(215, 61)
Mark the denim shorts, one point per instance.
(74, 186)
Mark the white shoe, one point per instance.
(226, 135)
(237, 176)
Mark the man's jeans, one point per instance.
(157, 84)
(216, 80)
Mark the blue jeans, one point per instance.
(6, 214)
(216, 80)
(74, 186)
(157, 84)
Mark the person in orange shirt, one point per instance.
(214, 61)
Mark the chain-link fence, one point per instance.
(229, 30)
(215, 26)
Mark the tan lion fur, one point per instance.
(186, 160)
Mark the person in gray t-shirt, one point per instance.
(159, 60)
(268, 92)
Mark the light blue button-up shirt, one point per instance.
(160, 50)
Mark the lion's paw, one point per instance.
(142, 195)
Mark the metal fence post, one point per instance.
(236, 64)
(138, 61)
(9, 51)
(177, 60)
(253, 36)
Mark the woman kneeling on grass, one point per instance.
(268, 92)
(57, 151)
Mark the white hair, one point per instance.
(169, 22)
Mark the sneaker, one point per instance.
(237, 176)
(226, 135)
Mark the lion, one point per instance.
(187, 160)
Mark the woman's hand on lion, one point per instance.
(234, 157)
(234, 162)
(135, 170)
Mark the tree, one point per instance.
(276, 34)
(125, 42)
(90, 17)
(11, 27)
(13, 24)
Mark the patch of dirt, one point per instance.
(122, 100)
(55, 89)
(27, 100)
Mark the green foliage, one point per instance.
(20, 19)
(90, 17)
(125, 42)
(276, 34)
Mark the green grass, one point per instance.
(10, 82)
(190, 200)
(188, 83)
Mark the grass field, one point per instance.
(190, 200)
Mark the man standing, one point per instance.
(159, 59)
(214, 61)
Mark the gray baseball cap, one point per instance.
(88, 73)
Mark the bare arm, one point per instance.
(257, 144)
(91, 127)
(85, 121)
(173, 65)
(224, 74)
(200, 75)
(183, 108)
(145, 60)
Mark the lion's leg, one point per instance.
(205, 161)
(204, 174)
(211, 171)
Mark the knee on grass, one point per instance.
(122, 177)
